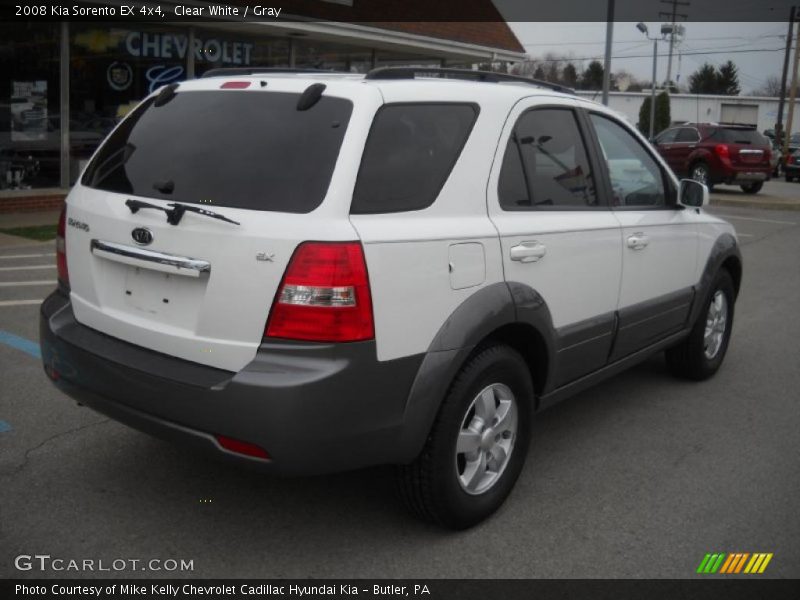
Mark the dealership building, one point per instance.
(63, 86)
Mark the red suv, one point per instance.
(716, 153)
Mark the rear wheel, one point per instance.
(700, 172)
(789, 179)
(700, 355)
(477, 446)
(752, 188)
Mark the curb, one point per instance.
(763, 204)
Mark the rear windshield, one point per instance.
(409, 154)
(237, 149)
(739, 136)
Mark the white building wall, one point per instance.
(699, 107)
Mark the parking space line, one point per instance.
(12, 256)
(29, 268)
(24, 283)
(20, 343)
(4, 303)
(757, 220)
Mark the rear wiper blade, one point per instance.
(135, 205)
(174, 216)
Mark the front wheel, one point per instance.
(477, 447)
(752, 188)
(700, 355)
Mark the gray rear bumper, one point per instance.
(314, 408)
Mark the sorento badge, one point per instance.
(142, 236)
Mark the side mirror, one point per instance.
(693, 193)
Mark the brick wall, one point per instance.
(17, 204)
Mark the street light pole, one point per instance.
(643, 28)
(653, 91)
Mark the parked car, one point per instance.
(791, 167)
(713, 153)
(343, 270)
(776, 159)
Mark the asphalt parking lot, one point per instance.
(638, 477)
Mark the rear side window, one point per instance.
(239, 149)
(687, 134)
(409, 154)
(545, 165)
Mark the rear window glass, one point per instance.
(237, 149)
(409, 154)
(739, 136)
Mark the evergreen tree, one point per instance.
(704, 80)
(592, 78)
(570, 75)
(728, 79)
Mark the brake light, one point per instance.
(790, 159)
(722, 150)
(61, 248)
(235, 85)
(240, 447)
(324, 295)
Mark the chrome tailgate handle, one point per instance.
(150, 259)
(528, 251)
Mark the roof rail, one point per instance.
(230, 71)
(487, 76)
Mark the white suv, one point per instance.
(312, 272)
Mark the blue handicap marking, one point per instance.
(20, 343)
(4, 427)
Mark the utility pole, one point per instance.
(609, 41)
(672, 16)
(792, 95)
(782, 101)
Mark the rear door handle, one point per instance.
(528, 251)
(638, 241)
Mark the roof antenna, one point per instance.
(165, 95)
(310, 96)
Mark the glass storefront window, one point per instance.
(314, 54)
(113, 68)
(30, 142)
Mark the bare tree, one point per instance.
(771, 87)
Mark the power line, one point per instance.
(623, 56)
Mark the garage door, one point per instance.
(745, 114)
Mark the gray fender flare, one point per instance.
(478, 316)
(724, 248)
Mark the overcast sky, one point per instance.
(755, 48)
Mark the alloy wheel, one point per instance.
(486, 439)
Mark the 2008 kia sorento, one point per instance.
(317, 272)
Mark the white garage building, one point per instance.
(702, 108)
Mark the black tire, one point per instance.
(430, 486)
(789, 179)
(688, 359)
(752, 188)
(701, 172)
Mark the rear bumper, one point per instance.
(729, 173)
(314, 408)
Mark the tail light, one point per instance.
(324, 295)
(61, 248)
(790, 159)
(722, 150)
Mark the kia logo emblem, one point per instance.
(142, 236)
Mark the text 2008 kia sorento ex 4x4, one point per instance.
(317, 272)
